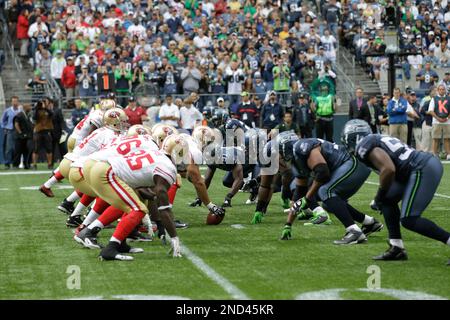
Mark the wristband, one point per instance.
(210, 206)
(165, 207)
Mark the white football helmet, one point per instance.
(115, 119)
(162, 132)
(106, 104)
(138, 129)
(176, 146)
(203, 136)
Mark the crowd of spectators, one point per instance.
(32, 130)
(215, 47)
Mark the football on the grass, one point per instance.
(213, 219)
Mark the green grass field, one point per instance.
(224, 262)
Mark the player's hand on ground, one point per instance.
(196, 203)
(300, 205)
(286, 232)
(215, 209)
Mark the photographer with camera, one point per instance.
(42, 138)
(23, 127)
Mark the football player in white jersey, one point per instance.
(192, 161)
(138, 137)
(115, 123)
(90, 122)
(119, 180)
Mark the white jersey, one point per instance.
(123, 145)
(81, 131)
(92, 143)
(196, 155)
(139, 168)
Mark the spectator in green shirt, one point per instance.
(59, 44)
(281, 78)
(122, 77)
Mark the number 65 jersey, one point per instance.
(139, 168)
(405, 158)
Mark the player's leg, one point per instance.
(237, 174)
(343, 183)
(113, 190)
(264, 196)
(77, 179)
(59, 174)
(419, 192)
(71, 141)
(99, 207)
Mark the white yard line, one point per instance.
(436, 194)
(224, 283)
(54, 187)
(24, 173)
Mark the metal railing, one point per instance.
(9, 46)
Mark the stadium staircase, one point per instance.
(15, 72)
(351, 75)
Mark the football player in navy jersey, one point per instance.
(283, 181)
(337, 176)
(406, 175)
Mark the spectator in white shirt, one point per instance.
(169, 113)
(136, 29)
(201, 41)
(57, 66)
(190, 116)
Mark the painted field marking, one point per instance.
(224, 283)
(24, 173)
(55, 187)
(436, 194)
(335, 294)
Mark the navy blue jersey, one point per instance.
(228, 157)
(405, 158)
(335, 155)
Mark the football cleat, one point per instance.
(305, 214)
(79, 228)
(322, 218)
(352, 237)
(135, 235)
(66, 207)
(47, 191)
(111, 252)
(125, 248)
(180, 225)
(285, 203)
(252, 199)
(74, 222)
(375, 226)
(393, 253)
(88, 238)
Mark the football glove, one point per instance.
(300, 205)
(196, 203)
(215, 209)
(175, 248)
(148, 223)
(286, 233)
(257, 217)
